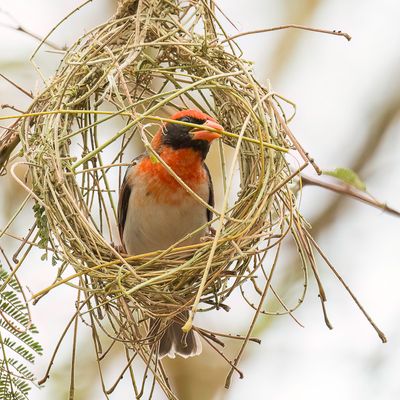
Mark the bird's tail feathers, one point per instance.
(176, 342)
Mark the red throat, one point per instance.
(186, 163)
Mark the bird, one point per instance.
(155, 211)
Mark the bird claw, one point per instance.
(118, 247)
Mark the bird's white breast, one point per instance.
(152, 224)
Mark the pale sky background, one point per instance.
(339, 87)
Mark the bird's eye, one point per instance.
(185, 119)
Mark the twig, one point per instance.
(73, 355)
(232, 364)
(24, 30)
(74, 317)
(290, 26)
(228, 336)
(24, 242)
(137, 119)
(21, 89)
(254, 319)
(305, 155)
(332, 268)
(351, 192)
(4, 106)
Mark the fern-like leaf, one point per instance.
(17, 346)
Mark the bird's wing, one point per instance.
(211, 194)
(124, 195)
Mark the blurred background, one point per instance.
(348, 114)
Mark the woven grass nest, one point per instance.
(145, 63)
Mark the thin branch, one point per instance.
(304, 154)
(349, 191)
(18, 27)
(65, 331)
(332, 268)
(290, 26)
(11, 107)
(17, 86)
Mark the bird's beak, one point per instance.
(198, 134)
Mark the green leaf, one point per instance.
(347, 176)
(15, 340)
(42, 224)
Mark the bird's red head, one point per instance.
(180, 136)
(195, 114)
